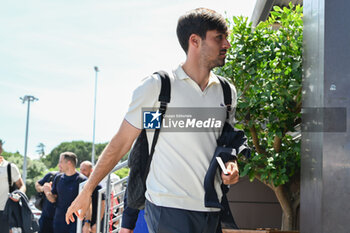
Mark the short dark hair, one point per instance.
(199, 21)
(70, 156)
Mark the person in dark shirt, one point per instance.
(86, 169)
(48, 208)
(63, 191)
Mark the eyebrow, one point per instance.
(223, 33)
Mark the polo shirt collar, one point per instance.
(3, 163)
(181, 74)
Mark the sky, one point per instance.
(48, 49)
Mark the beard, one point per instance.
(212, 60)
(219, 62)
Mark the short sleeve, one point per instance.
(45, 179)
(54, 184)
(144, 96)
(15, 174)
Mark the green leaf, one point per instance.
(246, 169)
(265, 65)
(277, 8)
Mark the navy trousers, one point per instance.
(46, 225)
(171, 220)
(63, 227)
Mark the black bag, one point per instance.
(12, 186)
(140, 158)
(39, 200)
(39, 197)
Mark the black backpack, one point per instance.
(140, 159)
(39, 197)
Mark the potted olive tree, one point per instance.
(265, 65)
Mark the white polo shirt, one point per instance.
(4, 188)
(181, 159)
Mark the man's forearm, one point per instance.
(51, 197)
(20, 185)
(114, 151)
(39, 188)
(23, 188)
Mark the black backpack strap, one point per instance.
(225, 213)
(227, 94)
(52, 176)
(9, 176)
(164, 95)
(164, 99)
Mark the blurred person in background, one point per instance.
(86, 169)
(16, 180)
(48, 208)
(63, 190)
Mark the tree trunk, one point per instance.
(289, 202)
(289, 216)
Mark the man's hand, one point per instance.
(15, 197)
(79, 206)
(93, 228)
(233, 173)
(14, 200)
(125, 230)
(86, 228)
(47, 187)
(114, 151)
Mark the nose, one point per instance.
(226, 44)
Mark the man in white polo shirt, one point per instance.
(4, 188)
(175, 183)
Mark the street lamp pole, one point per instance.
(28, 99)
(93, 133)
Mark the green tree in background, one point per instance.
(37, 168)
(80, 148)
(265, 65)
(83, 151)
(122, 172)
(35, 171)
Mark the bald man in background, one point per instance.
(86, 169)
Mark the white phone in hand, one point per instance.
(222, 165)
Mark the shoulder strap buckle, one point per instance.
(163, 107)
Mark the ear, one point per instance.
(194, 40)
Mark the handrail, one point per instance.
(107, 192)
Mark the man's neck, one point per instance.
(70, 172)
(197, 73)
